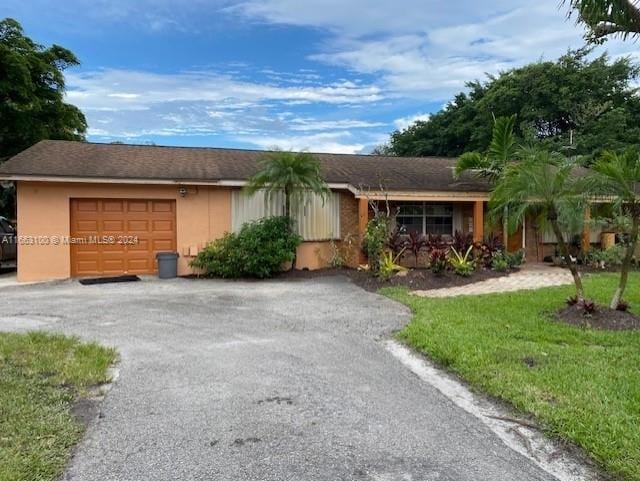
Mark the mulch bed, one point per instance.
(604, 318)
(416, 279)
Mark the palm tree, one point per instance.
(541, 184)
(608, 17)
(502, 150)
(618, 178)
(293, 173)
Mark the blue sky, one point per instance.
(321, 75)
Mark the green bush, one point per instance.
(499, 262)
(259, 250)
(611, 257)
(514, 259)
(462, 264)
(375, 240)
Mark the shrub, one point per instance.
(602, 259)
(572, 301)
(461, 241)
(499, 262)
(259, 250)
(588, 307)
(415, 243)
(389, 266)
(487, 249)
(438, 261)
(462, 264)
(514, 259)
(622, 306)
(375, 239)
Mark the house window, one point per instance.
(426, 218)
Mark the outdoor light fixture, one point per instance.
(183, 191)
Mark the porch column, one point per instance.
(586, 231)
(363, 220)
(478, 221)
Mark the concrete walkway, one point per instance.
(530, 276)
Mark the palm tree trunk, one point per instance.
(564, 249)
(626, 264)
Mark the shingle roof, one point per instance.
(56, 158)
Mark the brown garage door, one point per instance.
(108, 228)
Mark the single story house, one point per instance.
(81, 205)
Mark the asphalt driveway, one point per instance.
(278, 380)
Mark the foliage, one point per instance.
(622, 306)
(438, 261)
(260, 250)
(604, 18)
(293, 173)
(397, 240)
(542, 184)
(41, 377)
(340, 251)
(588, 307)
(583, 385)
(499, 262)
(485, 250)
(462, 264)
(617, 176)
(572, 301)
(578, 104)
(32, 106)
(375, 239)
(389, 265)
(514, 259)
(462, 241)
(415, 243)
(603, 259)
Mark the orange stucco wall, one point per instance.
(202, 215)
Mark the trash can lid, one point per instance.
(167, 255)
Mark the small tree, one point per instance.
(292, 173)
(541, 184)
(618, 178)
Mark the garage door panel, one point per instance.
(162, 226)
(141, 225)
(151, 221)
(162, 206)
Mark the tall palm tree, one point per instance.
(292, 173)
(608, 17)
(491, 165)
(618, 178)
(541, 184)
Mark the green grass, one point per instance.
(40, 377)
(584, 385)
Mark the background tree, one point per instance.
(542, 184)
(604, 18)
(576, 105)
(32, 104)
(618, 177)
(292, 173)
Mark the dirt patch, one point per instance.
(85, 410)
(604, 318)
(415, 279)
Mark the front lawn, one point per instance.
(41, 375)
(582, 385)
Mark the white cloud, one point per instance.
(329, 142)
(404, 122)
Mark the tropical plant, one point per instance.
(259, 249)
(499, 263)
(415, 243)
(462, 241)
(375, 239)
(617, 176)
(604, 18)
(543, 185)
(462, 264)
(389, 265)
(296, 174)
(502, 150)
(438, 261)
(397, 240)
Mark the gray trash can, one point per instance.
(167, 265)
